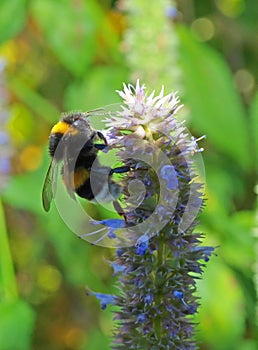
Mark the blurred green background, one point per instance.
(63, 55)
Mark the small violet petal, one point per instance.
(104, 299)
(205, 250)
(119, 252)
(118, 268)
(148, 299)
(178, 295)
(168, 173)
(112, 223)
(111, 234)
(141, 318)
(142, 245)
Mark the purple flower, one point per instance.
(162, 257)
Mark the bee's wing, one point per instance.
(49, 187)
(67, 174)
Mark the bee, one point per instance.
(75, 144)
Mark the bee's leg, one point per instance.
(102, 137)
(117, 206)
(124, 169)
(120, 170)
(100, 146)
(119, 210)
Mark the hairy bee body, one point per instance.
(75, 144)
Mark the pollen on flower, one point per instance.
(142, 109)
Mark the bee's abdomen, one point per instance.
(99, 186)
(85, 190)
(80, 177)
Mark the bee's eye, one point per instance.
(76, 122)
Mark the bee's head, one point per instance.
(78, 124)
(75, 132)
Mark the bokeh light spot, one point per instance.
(31, 157)
(21, 125)
(5, 166)
(204, 28)
(74, 338)
(244, 80)
(49, 278)
(231, 8)
(9, 51)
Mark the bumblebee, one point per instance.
(75, 144)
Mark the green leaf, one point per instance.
(80, 270)
(221, 312)
(254, 124)
(222, 179)
(24, 191)
(16, 326)
(98, 89)
(31, 98)
(8, 289)
(74, 39)
(97, 340)
(12, 18)
(215, 106)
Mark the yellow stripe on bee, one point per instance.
(60, 128)
(80, 176)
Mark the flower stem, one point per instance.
(8, 286)
(161, 257)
